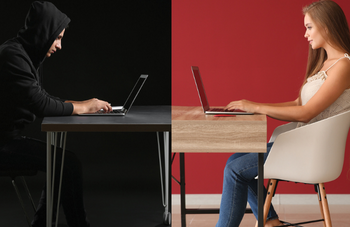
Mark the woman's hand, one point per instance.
(244, 105)
(90, 106)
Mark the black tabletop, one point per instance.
(138, 119)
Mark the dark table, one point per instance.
(138, 119)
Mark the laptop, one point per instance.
(122, 110)
(204, 100)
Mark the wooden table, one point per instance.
(195, 132)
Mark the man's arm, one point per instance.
(89, 106)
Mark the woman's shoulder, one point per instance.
(340, 72)
(342, 65)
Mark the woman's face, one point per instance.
(313, 33)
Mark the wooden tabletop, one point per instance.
(194, 131)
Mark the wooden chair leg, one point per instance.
(270, 192)
(321, 210)
(324, 204)
(317, 189)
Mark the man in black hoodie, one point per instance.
(23, 98)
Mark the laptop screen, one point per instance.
(200, 88)
(133, 94)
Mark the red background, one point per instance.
(249, 49)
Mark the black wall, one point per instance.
(107, 46)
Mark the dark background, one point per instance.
(105, 49)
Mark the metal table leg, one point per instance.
(48, 179)
(182, 190)
(260, 190)
(166, 197)
(51, 139)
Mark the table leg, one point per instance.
(182, 190)
(167, 161)
(260, 190)
(166, 197)
(48, 180)
(50, 174)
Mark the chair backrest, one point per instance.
(310, 154)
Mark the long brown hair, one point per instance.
(328, 16)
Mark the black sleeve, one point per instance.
(25, 90)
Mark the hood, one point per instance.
(43, 24)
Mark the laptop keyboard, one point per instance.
(223, 110)
(116, 111)
(112, 112)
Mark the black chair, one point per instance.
(13, 174)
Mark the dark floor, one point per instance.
(118, 204)
(121, 183)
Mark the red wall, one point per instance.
(249, 49)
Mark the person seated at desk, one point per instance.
(23, 98)
(325, 93)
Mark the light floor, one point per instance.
(340, 215)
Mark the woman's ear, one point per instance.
(326, 30)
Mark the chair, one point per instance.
(312, 154)
(13, 173)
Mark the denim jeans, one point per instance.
(240, 187)
(26, 152)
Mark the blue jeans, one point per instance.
(240, 187)
(30, 153)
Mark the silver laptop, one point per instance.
(122, 110)
(204, 100)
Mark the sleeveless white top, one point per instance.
(313, 84)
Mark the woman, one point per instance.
(325, 92)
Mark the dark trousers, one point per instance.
(26, 152)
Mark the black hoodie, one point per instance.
(22, 96)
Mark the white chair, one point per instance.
(312, 154)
